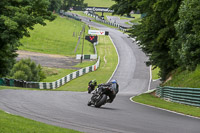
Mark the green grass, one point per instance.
(137, 18)
(57, 37)
(53, 74)
(128, 23)
(99, 3)
(105, 49)
(85, 64)
(157, 102)
(155, 73)
(15, 124)
(185, 78)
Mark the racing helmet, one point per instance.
(114, 81)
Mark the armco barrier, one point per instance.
(106, 22)
(189, 96)
(50, 85)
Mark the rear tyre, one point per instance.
(102, 101)
(89, 103)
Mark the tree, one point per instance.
(185, 48)
(27, 70)
(55, 5)
(76, 4)
(122, 7)
(156, 30)
(16, 17)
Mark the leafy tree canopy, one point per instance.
(185, 47)
(124, 6)
(75, 4)
(27, 70)
(55, 5)
(16, 17)
(156, 30)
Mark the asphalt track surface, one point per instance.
(70, 110)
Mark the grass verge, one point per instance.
(137, 18)
(155, 73)
(108, 63)
(184, 78)
(16, 124)
(53, 74)
(57, 37)
(157, 102)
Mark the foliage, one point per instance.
(122, 7)
(185, 48)
(27, 70)
(75, 4)
(15, 19)
(169, 33)
(55, 5)
(156, 30)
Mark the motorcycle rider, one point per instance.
(114, 87)
(91, 85)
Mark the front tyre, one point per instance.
(101, 102)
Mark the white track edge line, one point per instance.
(158, 107)
(164, 109)
(118, 60)
(150, 78)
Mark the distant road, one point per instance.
(115, 19)
(70, 110)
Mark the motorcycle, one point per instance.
(99, 96)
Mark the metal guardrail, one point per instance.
(106, 22)
(189, 96)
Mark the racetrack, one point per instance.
(70, 110)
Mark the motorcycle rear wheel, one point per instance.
(89, 103)
(102, 101)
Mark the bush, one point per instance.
(27, 70)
